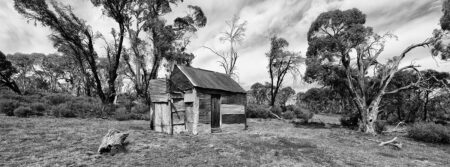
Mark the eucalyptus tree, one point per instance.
(260, 92)
(27, 73)
(281, 62)
(71, 32)
(151, 38)
(7, 70)
(337, 35)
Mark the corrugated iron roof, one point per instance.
(211, 80)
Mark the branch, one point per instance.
(224, 62)
(443, 83)
(410, 85)
(391, 142)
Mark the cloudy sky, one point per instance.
(411, 20)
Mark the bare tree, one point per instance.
(234, 35)
(281, 62)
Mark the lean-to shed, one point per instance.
(194, 99)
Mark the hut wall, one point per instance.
(204, 107)
(178, 115)
(232, 107)
(195, 112)
(162, 118)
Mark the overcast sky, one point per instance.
(411, 20)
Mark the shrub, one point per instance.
(276, 110)
(8, 106)
(257, 111)
(303, 113)
(56, 99)
(63, 110)
(380, 126)
(22, 112)
(290, 107)
(84, 109)
(140, 112)
(122, 114)
(430, 133)
(38, 109)
(288, 115)
(350, 121)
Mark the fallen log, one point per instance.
(392, 142)
(113, 142)
(275, 115)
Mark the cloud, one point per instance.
(411, 21)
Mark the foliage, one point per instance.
(63, 110)
(151, 38)
(7, 70)
(56, 99)
(281, 62)
(349, 121)
(284, 95)
(380, 126)
(276, 110)
(303, 113)
(257, 111)
(326, 100)
(23, 112)
(38, 108)
(140, 112)
(8, 106)
(430, 133)
(259, 93)
(122, 114)
(426, 101)
(289, 114)
(332, 37)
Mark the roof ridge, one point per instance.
(202, 69)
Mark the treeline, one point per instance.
(99, 72)
(426, 100)
(91, 78)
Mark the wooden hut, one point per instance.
(193, 99)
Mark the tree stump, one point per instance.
(113, 142)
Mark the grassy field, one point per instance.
(73, 142)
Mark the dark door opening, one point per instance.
(215, 114)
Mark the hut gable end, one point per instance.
(179, 82)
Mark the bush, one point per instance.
(22, 112)
(122, 114)
(350, 121)
(257, 111)
(303, 113)
(38, 109)
(56, 99)
(430, 133)
(276, 110)
(63, 110)
(84, 109)
(140, 112)
(288, 115)
(380, 126)
(290, 107)
(8, 106)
